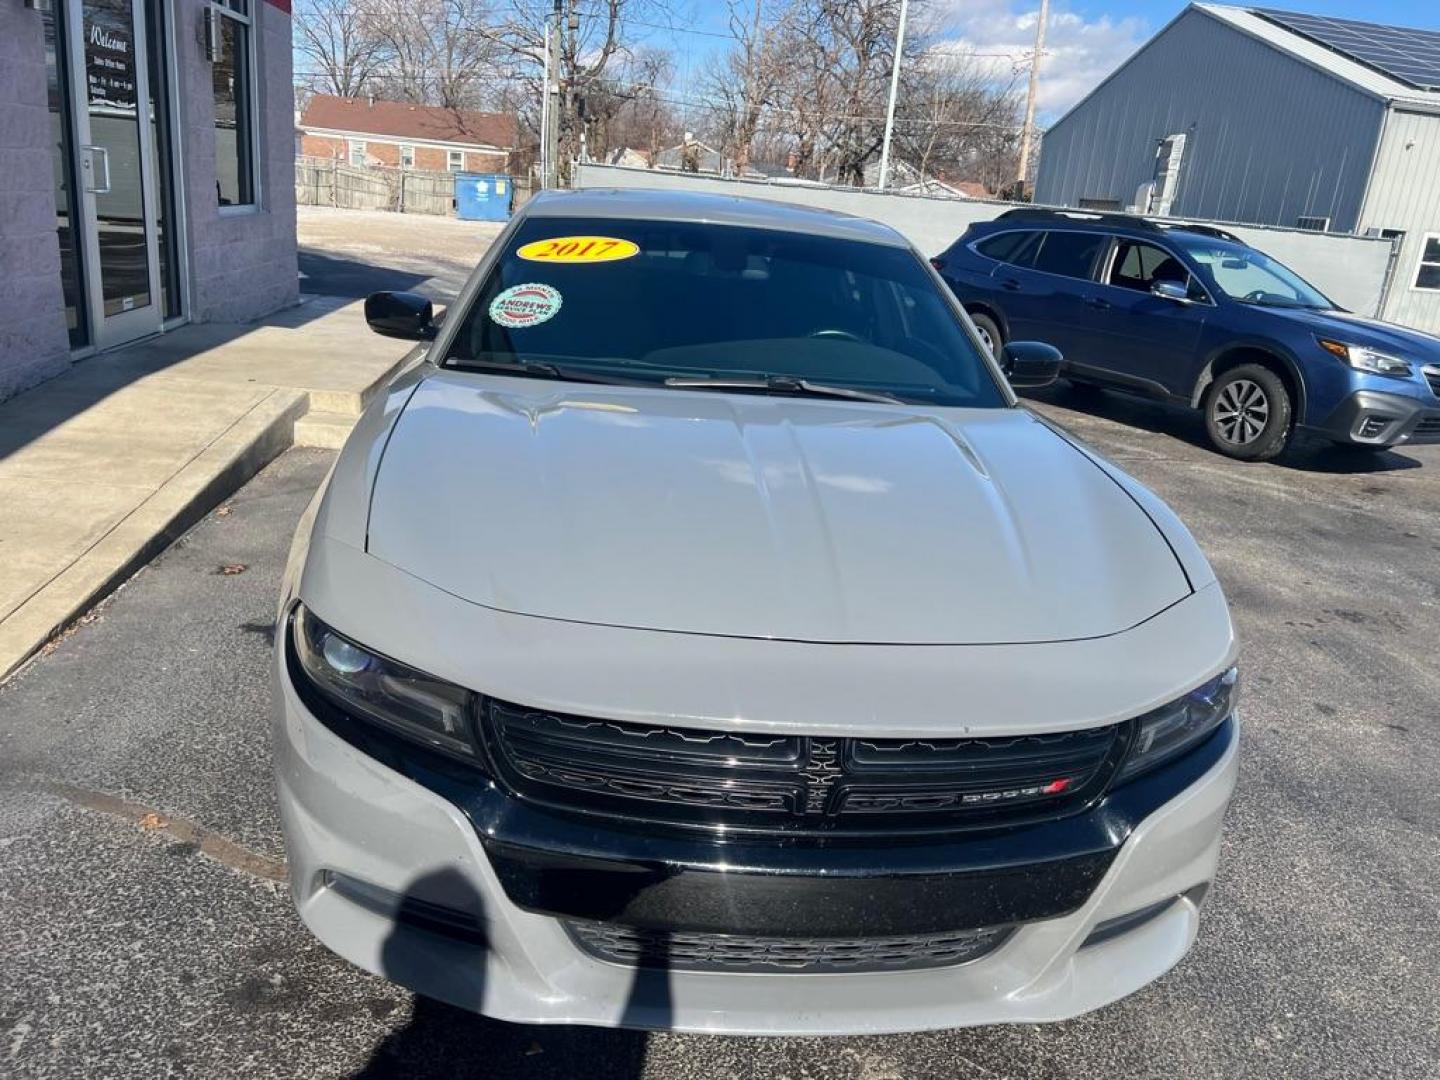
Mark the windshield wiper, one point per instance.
(536, 369)
(785, 384)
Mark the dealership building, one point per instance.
(147, 148)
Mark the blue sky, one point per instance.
(1087, 39)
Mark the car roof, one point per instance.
(1131, 225)
(709, 209)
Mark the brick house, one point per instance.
(368, 131)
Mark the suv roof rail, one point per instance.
(1106, 217)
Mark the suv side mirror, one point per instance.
(1030, 364)
(401, 315)
(1171, 290)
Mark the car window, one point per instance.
(1015, 248)
(1252, 277)
(1138, 265)
(1070, 253)
(668, 299)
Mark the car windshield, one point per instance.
(673, 303)
(1252, 277)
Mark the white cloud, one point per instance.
(1079, 52)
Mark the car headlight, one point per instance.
(386, 692)
(1365, 358)
(1167, 732)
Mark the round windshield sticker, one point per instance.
(578, 249)
(525, 305)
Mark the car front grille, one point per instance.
(742, 953)
(1432, 376)
(787, 783)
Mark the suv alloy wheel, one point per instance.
(1248, 413)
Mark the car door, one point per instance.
(1010, 285)
(1048, 298)
(1133, 338)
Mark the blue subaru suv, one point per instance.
(1191, 314)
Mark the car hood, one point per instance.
(762, 516)
(1355, 329)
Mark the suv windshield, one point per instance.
(606, 300)
(1252, 277)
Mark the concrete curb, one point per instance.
(264, 432)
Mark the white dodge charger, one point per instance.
(698, 634)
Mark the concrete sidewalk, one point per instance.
(104, 466)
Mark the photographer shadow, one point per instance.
(443, 1040)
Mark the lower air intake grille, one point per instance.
(738, 953)
(795, 783)
(1429, 426)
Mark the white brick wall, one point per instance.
(33, 342)
(242, 264)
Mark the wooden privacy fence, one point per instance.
(327, 182)
(323, 182)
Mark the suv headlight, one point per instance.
(1167, 732)
(386, 692)
(1365, 358)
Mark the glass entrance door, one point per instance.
(114, 159)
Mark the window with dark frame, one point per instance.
(1427, 274)
(231, 77)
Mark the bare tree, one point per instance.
(588, 44)
(435, 52)
(742, 85)
(341, 50)
(627, 109)
(958, 118)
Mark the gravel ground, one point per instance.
(135, 946)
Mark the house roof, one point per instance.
(404, 120)
(1343, 64)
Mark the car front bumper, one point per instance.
(404, 882)
(1375, 418)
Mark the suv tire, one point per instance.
(990, 334)
(1248, 413)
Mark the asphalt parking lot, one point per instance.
(144, 933)
(356, 252)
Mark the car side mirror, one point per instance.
(401, 315)
(1171, 290)
(1030, 364)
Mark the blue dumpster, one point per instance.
(482, 196)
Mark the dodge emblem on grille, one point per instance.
(822, 769)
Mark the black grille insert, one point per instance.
(768, 783)
(1428, 426)
(742, 953)
(1432, 376)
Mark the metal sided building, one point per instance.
(1270, 118)
(147, 155)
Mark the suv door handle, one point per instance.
(1009, 283)
(1097, 302)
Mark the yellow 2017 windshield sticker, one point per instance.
(578, 249)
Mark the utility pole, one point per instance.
(894, 89)
(1028, 132)
(549, 109)
(545, 112)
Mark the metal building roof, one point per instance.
(1412, 56)
(1393, 63)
